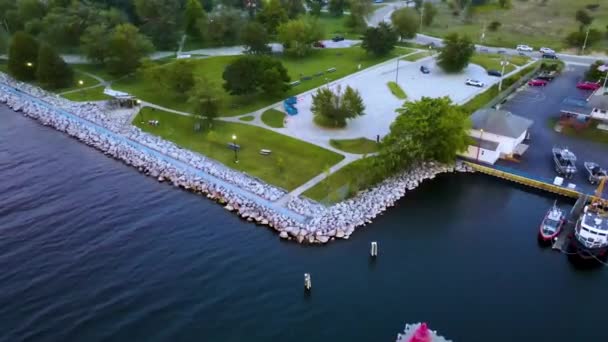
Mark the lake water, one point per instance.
(91, 250)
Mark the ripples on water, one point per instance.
(92, 251)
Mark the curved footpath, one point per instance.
(299, 219)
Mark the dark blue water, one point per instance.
(90, 250)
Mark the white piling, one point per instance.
(307, 282)
(374, 249)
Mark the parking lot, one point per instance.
(381, 103)
(541, 104)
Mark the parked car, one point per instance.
(338, 38)
(502, 51)
(549, 56)
(547, 75)
(586, 85)
(537, 83)
(424, 70)
(546, 50)
(494, 73)
(474, 83)
(318, 44)
(524, 48)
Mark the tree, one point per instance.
(125, 48)
(428, 14)
(298, 35)
(336, 7)
(30, 10)
(293, 7)
(593, 74)
(52, 71)
(158, 21)
(94, 43)
(315, 7)
(192, 14)
(577, 38)
(23, 56)
(178, 77)
(379, 40)
(3, 41)
(272, 15)
(255, 38)
(359, 9)
(205, 102)
(456, 53)
(405, 22)
(428, 129)
(504, 3)
(225, 26)
(249, 74)
(583, 17)
(333, 109)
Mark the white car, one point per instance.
(474, 83)
(524, 48)
(546, 50)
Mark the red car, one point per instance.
(537, 83)
(318, 45)
(586, 85)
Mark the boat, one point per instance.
(420, 332)
(565, 162)
(595, 172)
(552, 224)
(591, 231)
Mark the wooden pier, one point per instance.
(561, 243)
(527, 181)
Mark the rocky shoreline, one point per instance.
(300, 220)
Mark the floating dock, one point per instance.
(561, 243)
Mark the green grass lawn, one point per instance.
(417, 56)
(346, 61)
(92, 94)
(492, 61)
(97, 70)
(591, 133)
(396, 90)
(247, 118)
(292, 162)
(273, 118)
(526, 22)
(358, 146)
(337, 26)
(87, 81)
(344, 183)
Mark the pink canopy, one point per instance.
(422, 334)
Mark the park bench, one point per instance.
(234, 146)
(265, 152)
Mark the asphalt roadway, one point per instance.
(541, 104)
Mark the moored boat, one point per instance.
(591, 232)
(552, 224)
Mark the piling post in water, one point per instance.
(307, 282)
(373, 252)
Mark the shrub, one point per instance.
(592, 7)
(494, 26)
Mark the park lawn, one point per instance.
(526, 22)
(333, 26)
(344, 183)
(292, 162)
(396, 90)
(492, 62)
(97, 70)
(91, 94)
(247, 118)
(273, 118)
(346, 61)
(87, 81)
(591, 133)
(417, 56)
(358, 146)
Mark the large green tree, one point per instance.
(205, 101)
(125, 48)
(405, 22)
(293, 7)
(4, 38)
(298, 35)
(594, 74)
(159, 21)
(359, 9)
(379, 40)
(333, 109)
(336, 7)
(225, 25)
(31, 10)
(272, 15)
(255, 38)
(94, 43)
(583, 17)
(192, 14)
(456, 53)
(52, 71)
(23, 56)
(428, 129)
(429, 13)
(249, 74)
(178, 77)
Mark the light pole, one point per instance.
(421, 15)
(29, 64)
(585, 42)
(236, 150)
(503, 64)
(483, 32)
(397, 71)
(605, 79)
(479, 144)
(80, 82)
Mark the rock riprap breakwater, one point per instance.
(299, 219)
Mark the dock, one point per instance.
(561, 243)
(526, 180)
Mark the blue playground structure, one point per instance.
(289, 105)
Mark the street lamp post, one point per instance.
(80, 82)
(397, 71)
(29, 64)
(503, 64)
(236, 150)
(605, 79)
(585, 42)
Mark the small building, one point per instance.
(599, 104)
(120, 99)
(497, 134)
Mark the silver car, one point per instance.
(474, 83)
